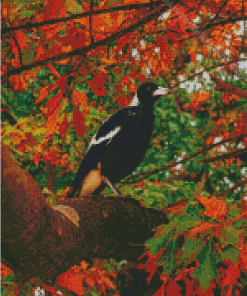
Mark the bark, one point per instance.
(51, 173)
(43, 241)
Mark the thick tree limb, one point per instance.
(41, 241)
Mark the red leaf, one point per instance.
(173, 289)
(44, 91)
(51, 290)
(72, 281)
(21, 39)
(98, 84)
(54, 71)
(53, 103)
(78, 122)
(63, 128)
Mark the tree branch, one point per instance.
(43, 241)
(172, 164)
(225, 155)
(224, 192)
(152, 15)
(77, 16)
(227, 87)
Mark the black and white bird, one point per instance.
(119, 146)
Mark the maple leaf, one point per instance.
(214, 207)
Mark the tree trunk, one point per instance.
(44, 241)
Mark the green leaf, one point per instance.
(27, 13)
(184, 223)
(231, 254)
(229, 236)
(155, 244)
(206, 270)
(192, 246)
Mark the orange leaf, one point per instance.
(72, 281)
(52, 123)
(21, 39)
(43, 92)
(53, 103)
(203, 227)
(193, 52)
(54, 71)
(79, 98)
(214, 207)
(63, 128)
(5, 270)
(243, 255)
(231, 275)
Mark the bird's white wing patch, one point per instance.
(108, 136)
(135, 101)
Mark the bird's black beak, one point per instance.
(160, 91)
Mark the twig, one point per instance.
(224, 192)
(173, 164)
(76, 16)
(153, 14)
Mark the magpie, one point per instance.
(119, 146)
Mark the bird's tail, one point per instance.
(101, 187)
(85, 167)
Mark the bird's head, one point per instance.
(148, 93)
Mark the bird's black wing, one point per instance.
(98, 145)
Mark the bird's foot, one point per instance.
(114, 189)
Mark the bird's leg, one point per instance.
(115, 191)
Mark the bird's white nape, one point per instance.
(135, 101)
(160, 91)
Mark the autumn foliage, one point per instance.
(67, 65)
